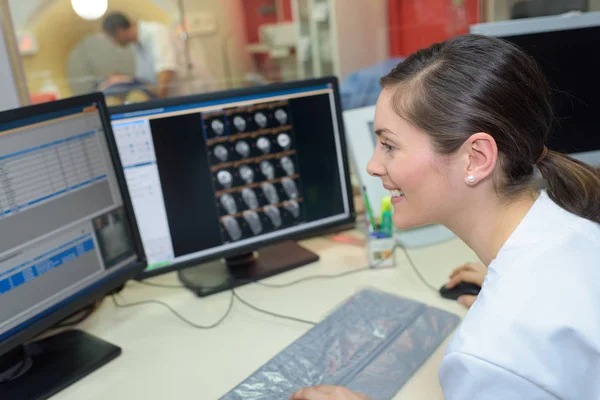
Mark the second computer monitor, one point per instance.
(221, 174)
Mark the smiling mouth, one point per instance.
(396, 193)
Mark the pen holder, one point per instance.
(381, 250)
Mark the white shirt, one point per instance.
(534, 331)
(158, 50)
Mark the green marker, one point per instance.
(369, 211)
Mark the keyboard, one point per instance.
(372, 344)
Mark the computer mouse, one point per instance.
(459, 290)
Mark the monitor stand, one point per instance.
(40, 369)
(222, 275)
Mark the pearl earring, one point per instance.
(470, 179)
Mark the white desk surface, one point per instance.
(163, 358)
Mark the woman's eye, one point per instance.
(387, 147)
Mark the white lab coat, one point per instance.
(159, 50)
(534, 331)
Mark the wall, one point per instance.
(415, 24)
(224, 53)
(11, 71)
(361, 34)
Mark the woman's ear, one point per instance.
(482, 154)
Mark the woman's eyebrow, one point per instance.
(379, 132)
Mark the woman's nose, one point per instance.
(375, 168)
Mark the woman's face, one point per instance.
(417, 176)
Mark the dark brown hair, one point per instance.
(474, 83)
(115, 21)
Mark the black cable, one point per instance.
(414, 267)
(84, 314)
(160, 285)
(312, 277)
(269, 312)
(192, 324)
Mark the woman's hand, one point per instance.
(327, 392)
(470, 273)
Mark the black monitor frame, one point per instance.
(345, 224)
(98, 290)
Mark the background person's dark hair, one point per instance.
(474, 83)
(115, 21)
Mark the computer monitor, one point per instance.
(565, 47)
(68, 237)
(222, 175)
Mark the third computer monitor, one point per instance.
(566, 47)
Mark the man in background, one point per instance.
(161, 59)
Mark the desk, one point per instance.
(163, 358)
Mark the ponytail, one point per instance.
(572, 184)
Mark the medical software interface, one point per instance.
(217, 175)
(62, 221)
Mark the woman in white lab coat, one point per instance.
(462, 128)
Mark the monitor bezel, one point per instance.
(342, 224)
(528, 26)
(96, 291)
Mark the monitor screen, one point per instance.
(63, 223)
(214, 174)
(564, 47)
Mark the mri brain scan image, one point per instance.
(267, 169)
(228, 203)
(221, 153)
(232, 227)
(290, 188)
(264, 145)
(247, 174)
(239, 123)
(225, 179)
(261, 119)
(217, 126)
(281, 116)
(288, 165)
(250, 198)
(253, 221)
(270, 193)
(274, 215)
(292, 207)
(243, 148)
(284, 141)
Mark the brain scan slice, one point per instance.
(217, 126)
(290, 188)
(243, 148)
(250, 198)
(288, 165)
(253, 221)
(284, 140)
(292, 207)
(267, 169)
(264, 145)
(281, 116)
(232, 227)
(239, 123)
(247, 173)
(261, 119)
(228, 203)
(221, 153)
(225, 178)
(270, 193)
(274, 215)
